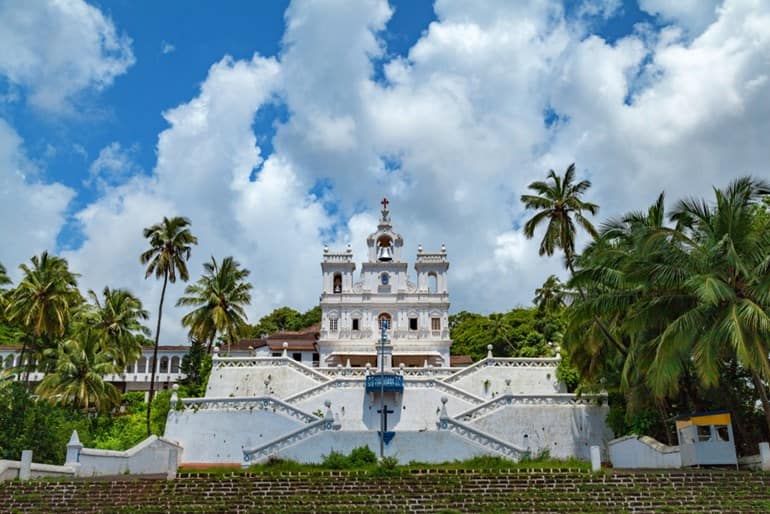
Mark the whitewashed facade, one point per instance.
(274, 404)
(414, 314)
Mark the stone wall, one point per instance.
(567, 430)
(418, 490)
(219, 435)
(643, 452)
(428, 447)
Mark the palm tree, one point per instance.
(726, 278)
(4, 281)
(170, 246)
(43, 302)
(557, 202)
(550, 296)
(219, 297)
(78, 377)
(117, 320)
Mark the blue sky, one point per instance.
(174, 44)
(125, 111)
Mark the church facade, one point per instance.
(381, 376)
(413, 315)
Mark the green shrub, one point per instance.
(335, 460)
(362, 456)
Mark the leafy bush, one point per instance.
(362, 456)
(336, 460)
(38, 425)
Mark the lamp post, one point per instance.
(383, 338)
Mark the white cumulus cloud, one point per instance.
(57, 49)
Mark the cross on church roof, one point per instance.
(384, 203)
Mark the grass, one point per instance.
(361, 461)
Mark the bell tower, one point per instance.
(384, 244)
(414, 316)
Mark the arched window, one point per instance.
(385, 321)
(9, 361)
(432, 282)
(175, 365)
(142, 367)
(163, 365)
(337, 283)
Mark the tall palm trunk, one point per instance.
(155, 353)
(762, 397)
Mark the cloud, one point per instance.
(166, 47)
(57, 50)
(114, 165)
(33, 211)
(205, 160)
(693, 15)
(452, 133)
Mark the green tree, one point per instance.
(42, 304)
(78, 377)
(170, 246)
(282, 319)
(218, 298)
(196, 366)
(726, 275)
(550, 297)
(558, 204)
(116, 319)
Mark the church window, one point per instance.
(355, 324)
(432, 282)
(412, 323)
(435, 323)
(337, 283)
(297, 356)
(384, 279)
(333, 324)
(384, 321)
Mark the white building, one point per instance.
(290, 404)
(415, 315)
(136, 376)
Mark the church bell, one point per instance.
(385, 253)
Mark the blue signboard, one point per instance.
(388, 383)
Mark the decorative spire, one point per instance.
(385, 213)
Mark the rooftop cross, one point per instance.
(384, 203)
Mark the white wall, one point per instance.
(524, 380)
(416, 409)
(643, 452)
(250, 381)
(564, 430)
(432, 447)
(154, 455)
(221, 435)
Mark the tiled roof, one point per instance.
(460, 360)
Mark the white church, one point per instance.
(380, 375)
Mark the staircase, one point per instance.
(413, 490)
